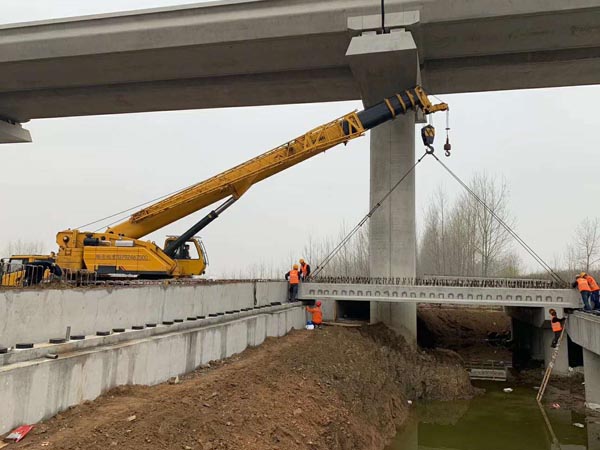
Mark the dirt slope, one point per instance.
(335, 388)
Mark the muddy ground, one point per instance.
(335, 388)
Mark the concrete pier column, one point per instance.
(591, 372)
(384, 65)
(561, 365)
(533, 336)
(392, 229)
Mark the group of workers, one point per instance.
(590, 291)
(298, 274)
(590, 294)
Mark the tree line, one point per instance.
(459, 237)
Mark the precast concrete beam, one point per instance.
(13, 133)
(531, 302)
(382, 65)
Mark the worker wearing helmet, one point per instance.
(293, 277)
(584, 288)
(304, 270)
(594, 291)
(317, 314)
(557, 326)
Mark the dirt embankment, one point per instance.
(335, 388)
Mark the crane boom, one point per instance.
(120, 252)
(236, 181)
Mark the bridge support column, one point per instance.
(383, 65)
(561, 365)
(591, 373)
(392, 235)
(533, 340)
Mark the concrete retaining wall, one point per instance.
(37, 315)
(38, 389)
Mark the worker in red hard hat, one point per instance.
(293, 277)
(317, 314)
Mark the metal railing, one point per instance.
(443, 281)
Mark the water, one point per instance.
(494, 421)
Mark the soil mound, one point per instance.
(335, 388)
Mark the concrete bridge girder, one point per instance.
(244, 53)
(533, 299)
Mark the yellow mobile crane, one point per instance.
(119, 251)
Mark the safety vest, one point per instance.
(556, 326)
(582, 284)
(304, 268)
(294, 277)
(592, 283)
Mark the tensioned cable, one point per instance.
(132, 208)
(521, 242)
(352, 232)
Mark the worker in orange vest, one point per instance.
(595, 291)
(304, 269)
(584, 288)
(293, 277)
(317, 314)
(557, 327)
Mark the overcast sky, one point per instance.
(543, 142)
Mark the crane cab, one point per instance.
(191, 257)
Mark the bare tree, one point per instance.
(585, 249)
(21, 247)
(463, 237)
(492, 236)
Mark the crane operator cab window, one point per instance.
(190, 256)
(186, 251)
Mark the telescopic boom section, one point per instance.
(236, 181)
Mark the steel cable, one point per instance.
(513, 233)
(352, 232)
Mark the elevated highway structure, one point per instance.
(264, 52)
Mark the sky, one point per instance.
(542, 142)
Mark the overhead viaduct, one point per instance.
(249, 52)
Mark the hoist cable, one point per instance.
(354, 230)
(131, 209)
(513, 233)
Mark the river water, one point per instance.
(495, 421)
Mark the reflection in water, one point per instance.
(493, 421)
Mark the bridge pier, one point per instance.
(383, 65)
(533, 337)
(591, 373)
